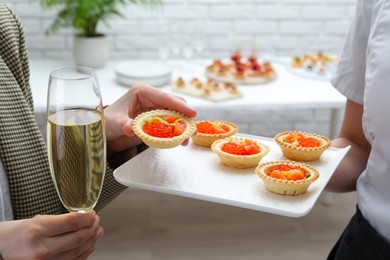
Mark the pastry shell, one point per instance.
(238, 161)
(158, 142)
(286, 187)
(305, 154)
(206, 140)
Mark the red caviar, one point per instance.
(206, 127)
(303, 141)
(248, 147)
(287, 172)
(164, 127)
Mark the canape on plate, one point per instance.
(302, 146)
(163, 128)
(208, 131)
(287, 177)
(238, 152)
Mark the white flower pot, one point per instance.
(91, 51)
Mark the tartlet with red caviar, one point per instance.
(287, 177)
(163, 128)
(238, 152)
(302, 146)
(208, 131)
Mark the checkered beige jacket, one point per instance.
(22, 147)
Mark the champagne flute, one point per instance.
(76, 137)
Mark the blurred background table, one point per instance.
(290, 102)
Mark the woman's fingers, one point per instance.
(127, 127)
(64, 223)
(83, 250)
(75, 239)
(153, 98)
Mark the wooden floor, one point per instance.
(144, 225)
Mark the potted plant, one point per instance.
(91, 48)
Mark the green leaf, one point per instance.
(84, 15)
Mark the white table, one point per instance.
(287, 92)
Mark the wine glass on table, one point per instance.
(76, 140)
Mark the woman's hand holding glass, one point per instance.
(66, 236)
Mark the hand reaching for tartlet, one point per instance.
(140, 98)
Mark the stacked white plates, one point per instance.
(154, 73)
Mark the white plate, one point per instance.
(143, 70)
(311, 74)
(196, 172)
(153, 82)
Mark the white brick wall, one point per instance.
(272, 26)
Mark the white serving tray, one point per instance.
(196, 172)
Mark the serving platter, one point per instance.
(196, 172)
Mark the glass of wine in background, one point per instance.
(76, 137)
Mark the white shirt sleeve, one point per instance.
(350, 76)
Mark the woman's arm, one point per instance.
(351, 133)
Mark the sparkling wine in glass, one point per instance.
(76, 137)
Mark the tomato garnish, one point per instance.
(256, 67)
(300, 140)
(211, 128)
(240, 67)
(252, 59)
(233, 148)
(295, 175)
(247, 147)
(287, 172)
(278, 175)
(179, 128)
(236, 57)
(251, 147)
(162, 128)
(158, 129)
(251, 142)
(225, 127)
(171, 119)
(293, 137)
